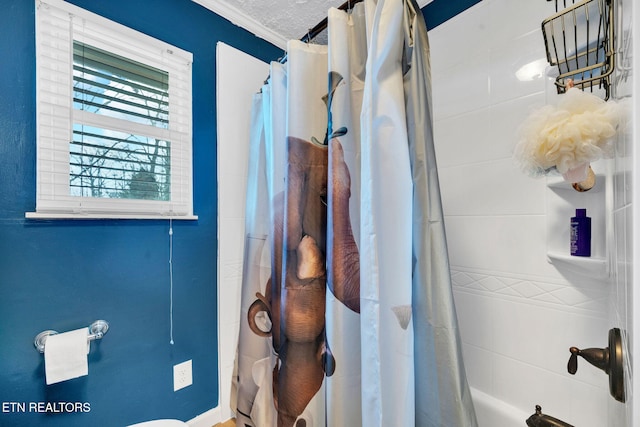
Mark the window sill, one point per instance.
(81, 216)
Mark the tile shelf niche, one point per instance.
(562, 202)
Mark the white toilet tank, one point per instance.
(160, 423)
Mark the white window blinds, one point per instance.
(113, 119)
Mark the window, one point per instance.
(113, 120)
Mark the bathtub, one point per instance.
(493, 412)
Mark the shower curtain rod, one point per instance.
(321, 26)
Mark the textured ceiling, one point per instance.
(291, 18)
(276, 20)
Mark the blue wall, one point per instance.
(63, 275)
(439, 11)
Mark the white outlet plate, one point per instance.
(182, 375)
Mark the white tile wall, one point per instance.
(518, 313)
(621, 314)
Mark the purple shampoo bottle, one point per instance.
(581, 234)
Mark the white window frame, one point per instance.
(58, 24)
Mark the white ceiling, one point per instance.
(275, 20)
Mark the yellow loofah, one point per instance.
(578, 131)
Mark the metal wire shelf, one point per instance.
(579, 40)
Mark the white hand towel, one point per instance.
(65, 356)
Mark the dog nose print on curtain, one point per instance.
(345, 277)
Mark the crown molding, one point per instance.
(239, 18)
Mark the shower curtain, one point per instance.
(347, 311)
